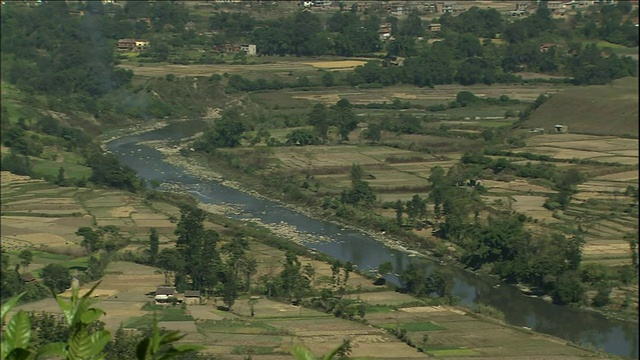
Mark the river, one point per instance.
(581, 327)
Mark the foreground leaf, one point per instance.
(18, 333)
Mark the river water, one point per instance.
(579, 326)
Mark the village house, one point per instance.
(133, 45)
(385, 31)
(250, 49)
(165, 294)
(434, 27)
(190, 26)
(548, 46)
(28, 278)
(192, 297)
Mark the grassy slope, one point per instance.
(599, 110)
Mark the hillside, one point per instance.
(600, 110)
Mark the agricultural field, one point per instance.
(265, 67)
(43, 218)
(611, 109)
(277, 327)
(599, 205)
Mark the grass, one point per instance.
(79, 263)
(50, 168)
(252, 350)
(598, 109)
(231, 326)
(416, 326)
(378, 309)
(169, 313)
(452, 352)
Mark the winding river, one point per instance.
(579, 326)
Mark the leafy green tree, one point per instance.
(171, 263)
(16, 164)
(230, 287)
(25, 257)
(373, 132)
(154, 242)
(412, 25)
(226, 132)
(310, 272)
(56, 277)
(344, 118)
(319, 119)
(9, 279)
(385, 268)
(91, 239)
(569, 289)
(302, 137)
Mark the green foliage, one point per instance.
(107, 170)
(226, 132)
(154, 241)
(302, 137)
(56, 277)
(78, 334)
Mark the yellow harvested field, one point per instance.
(623, 176)
(336, 64)
(619, 248)
(7, 177)
(327, 98)
(122, 212)
(38, 239)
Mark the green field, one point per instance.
(599, 109)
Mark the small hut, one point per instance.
(192, 297)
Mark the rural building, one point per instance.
(250, 49)
(547, 46)
(165, 294)
(133, 45)
(385, 31)
(190, 26)
(192, 297)
(28, 278)
(226, 48)
(434, 27)
(561, 129)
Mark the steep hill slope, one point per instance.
(599, 110)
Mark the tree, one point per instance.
(252, 303)
(154, 242)
(60, 180)
(344, 118)
(91, 239)
(319, 119)
(25, 257)
(373, 132)
(385, 268)
(171, 263)
(310, 272)
(56, 277)
(230, 288)
(569, 289)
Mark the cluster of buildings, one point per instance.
(135, 45)
(250, 49)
